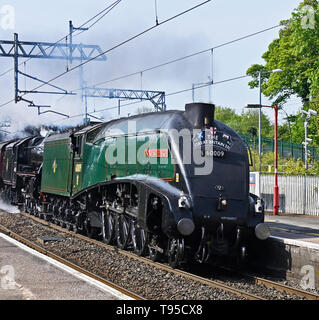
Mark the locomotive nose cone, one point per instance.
(185, 226)
(262, 231)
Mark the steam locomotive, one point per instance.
(171, 185)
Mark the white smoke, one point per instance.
(8, 208)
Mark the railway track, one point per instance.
(67, 263)
(271, 284)
(161, 266)
(279, 286)
(243, 294)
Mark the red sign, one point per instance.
(156, 153)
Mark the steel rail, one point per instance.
(282, 287)
(210, 283)
(68, 263)
(255, 279)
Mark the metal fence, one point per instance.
(297, 194)
(285, 149)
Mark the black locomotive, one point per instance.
(186, 196)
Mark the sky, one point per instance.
(210, 25)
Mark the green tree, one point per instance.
(296, 52)
(249, 122)
(229, 117)
(290, 166)
(285, 132)
(246, 122)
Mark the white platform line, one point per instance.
(73, 272)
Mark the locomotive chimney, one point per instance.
(201, 115)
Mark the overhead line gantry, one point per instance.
(17, 49)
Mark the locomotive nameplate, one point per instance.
(220, 141)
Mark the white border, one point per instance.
(73, 272)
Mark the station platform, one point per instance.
(26, 274)
(300, 228)
(292, 249)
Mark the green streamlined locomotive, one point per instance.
(169, 184)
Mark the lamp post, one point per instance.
(276, 189)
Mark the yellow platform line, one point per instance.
(296, 231)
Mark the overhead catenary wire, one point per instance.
(171, 61)
(211, 49)
(121, 44)
(169, 94)
(207, 85)
(113, 48)
(108, 9)
(6, 103)
(181, 58)
(160, 65)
